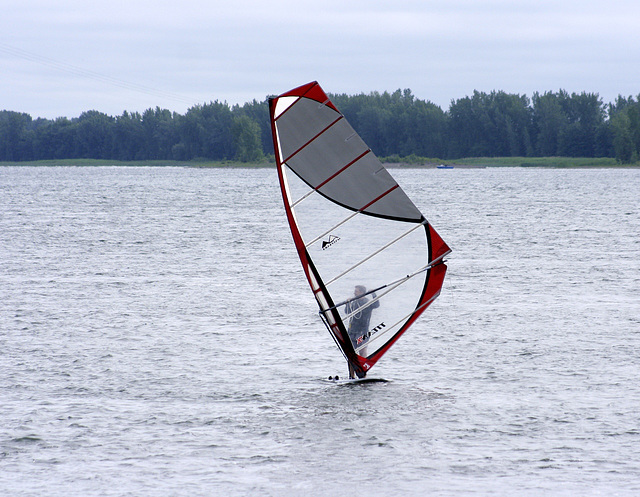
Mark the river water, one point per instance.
(157, 337)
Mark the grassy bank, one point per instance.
(471, 162)
(550, 162)
(554, 162)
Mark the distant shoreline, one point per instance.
(468, 163)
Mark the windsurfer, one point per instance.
(359, 323)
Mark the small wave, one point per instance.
(28, 439)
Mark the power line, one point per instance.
(78, 71)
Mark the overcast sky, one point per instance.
(60, 58)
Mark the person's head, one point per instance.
(359, 291)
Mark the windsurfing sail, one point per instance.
(374, 263)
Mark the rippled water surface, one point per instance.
(157, 337)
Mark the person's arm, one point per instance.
(376, 304)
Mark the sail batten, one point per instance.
(320, 133)
(350, 203)
(348, 218)
(343, 169)
(301, 199)
(373, 254)
(330, 178)
(333, 228)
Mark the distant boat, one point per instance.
(444, 166)
(374, 263)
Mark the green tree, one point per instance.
(94, 135)
(246, 138)
(15, 136)
(624, 147)
(625, 127)
(205, 131)
(490, 124)
(548, 120)
(259, 112)
(160, 133)
(586, 114)
(129, 137)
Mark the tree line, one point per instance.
(496, 124)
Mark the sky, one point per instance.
(69, 56)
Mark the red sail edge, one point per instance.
(337, 330)
(310, 90)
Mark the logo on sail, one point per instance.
(361, 339)
(377, 328)
(327, 243)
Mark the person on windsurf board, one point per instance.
(359, 322)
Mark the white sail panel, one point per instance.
(283, 104)
(360, 252)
